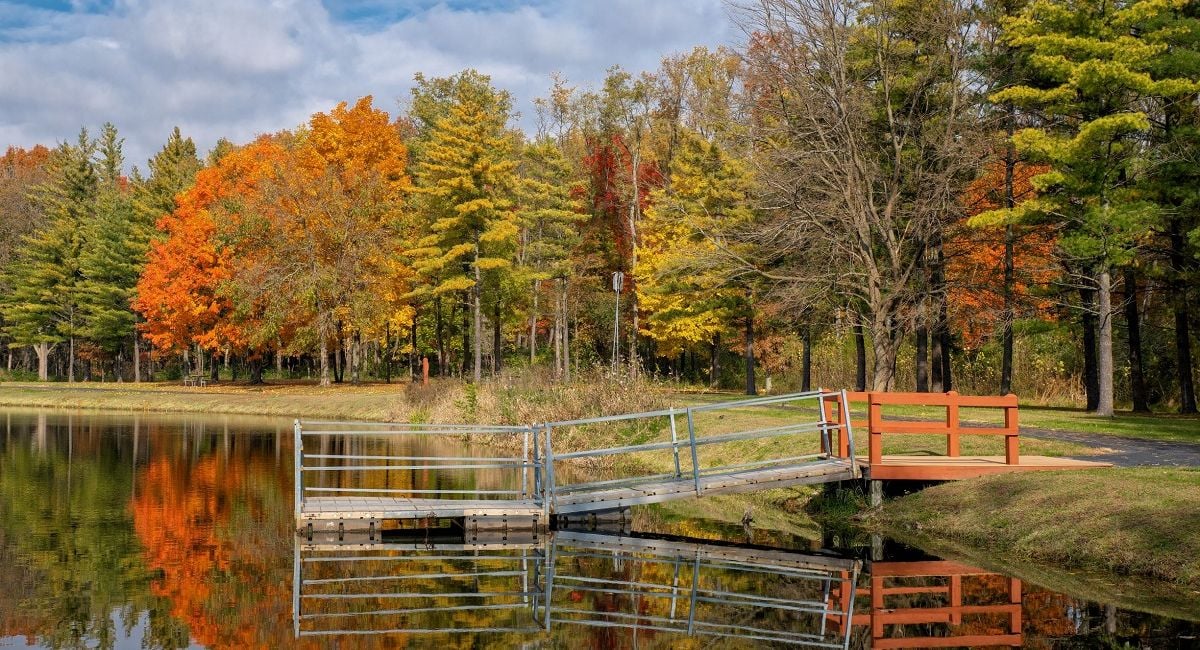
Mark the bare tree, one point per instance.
(863, 133)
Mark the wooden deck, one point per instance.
(822, 471)
(953, 468)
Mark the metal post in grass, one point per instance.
(618, 282)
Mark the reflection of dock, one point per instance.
(523, 585)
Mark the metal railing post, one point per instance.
(826, 441)
(695, 454)
(675, 443)
(537, 464)
(848, 431)
(297, 463)
(552, 498)
(525, 467)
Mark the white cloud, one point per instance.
(237, 68)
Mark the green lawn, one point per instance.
(1130, 521)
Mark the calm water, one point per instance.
(169, 532)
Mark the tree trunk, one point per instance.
(566, 335)
(806, 362)
(1091, 376)
(714, 362)
(71, 361)
(356, 357)
(256, 371)
(387, 353)
(137, 358)
(497, 342)
(43, 356)
(466, 333)
(1104, 358)
(1179, 303)
(415, 362)
(885, 345)
(533, 314)
(860, 356)
(1137, 378)
(751, 389)
(214, 368)
(1009, 314)
(478, 322)
(324, 360)
(440, 335)
(922, 358)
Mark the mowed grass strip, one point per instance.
(1142, 522)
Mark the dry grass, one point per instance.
(1143, 522)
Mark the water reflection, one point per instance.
(613, 589)
(169, 532)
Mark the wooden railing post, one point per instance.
(1012, 455)
(875, 428)
(953, 447)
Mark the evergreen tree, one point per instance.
(467, 176)
(112, 260)
(43, 307)
(1094, 77)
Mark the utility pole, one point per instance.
(618, 281)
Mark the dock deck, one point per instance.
(954, 468)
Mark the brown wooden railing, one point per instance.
(950, 425)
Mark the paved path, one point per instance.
(1126, 452)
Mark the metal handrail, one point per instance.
(363, 462)
(551, 490)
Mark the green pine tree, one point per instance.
(43, 307)
(112, 259)
(1095, 74)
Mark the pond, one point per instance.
(139, 531)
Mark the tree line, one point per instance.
(948, 185)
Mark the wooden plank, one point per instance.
(944, 468)
(969, 641)
(709, 552)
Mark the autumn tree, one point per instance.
(467, 176)
(865, 135)
(318, 242)
(550, 214)
(692, 291)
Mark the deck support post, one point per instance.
(876, 493)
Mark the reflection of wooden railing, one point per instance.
(949, 426)
(889, 580)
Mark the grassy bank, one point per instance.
(1137, 522)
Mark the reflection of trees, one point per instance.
(217, 532)
(70, 559)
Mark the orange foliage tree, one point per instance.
(179, 292)
(975, 257)
(320, 243)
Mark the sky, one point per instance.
(237, 68)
